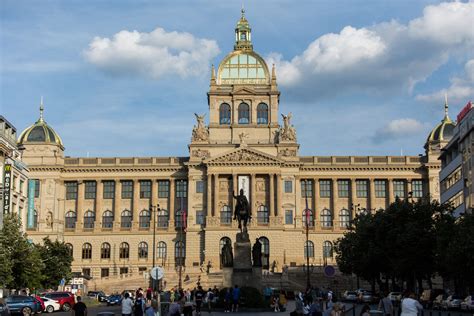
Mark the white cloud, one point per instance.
(384, 56)
(397, 129)
(155, 54)
(461, 89)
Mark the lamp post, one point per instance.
(154, 209)
(307, 216)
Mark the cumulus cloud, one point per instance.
(155, 54)
(461, 88)
(388, 55)
(397, 129)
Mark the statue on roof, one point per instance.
(200, 132)
(287, 132)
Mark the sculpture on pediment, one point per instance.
(200, 131)
(287, 132)
(242, 137)
(288, 152)
(199, 153)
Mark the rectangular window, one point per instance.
(399, 188)
(37, 188)
(325, 188)
(124, 270)
(13, 183)
(145, 189)
(200, 218)
(417, 188)
(380, 188)
(86, 272)
(127, 189)
(163, 189)
(200, 186)
(306, 188)
(343, 188)
(142, 269)
(289, 217)
(361, 188)
(181, 188)
(71, 190)
(104, 272)
(90, 189)
(288, 186)
(21, 186)
(109, 189)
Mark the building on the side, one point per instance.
(13, 173)
(101, 206)
(457, 161)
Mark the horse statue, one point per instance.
(242, 211)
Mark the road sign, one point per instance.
(329, 271)
(157, 273)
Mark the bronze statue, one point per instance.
(242, 210)
(227, 258)
(257, 254)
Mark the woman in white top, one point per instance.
(410, 306)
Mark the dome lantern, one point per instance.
(243, 34)
(442, 133)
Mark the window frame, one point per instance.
(326, 218)
(244, 114)
(362, 188)
(380, 187)
(288, 217)
(124, 251)
(90, 190)
(343, 188)
(108, 187)
(127, 189)
(262, 113)
(288, 185)
(225, 114)
(71, 190)
(143, 250)
(163, 189)
(144, 219)
(68, 223)
(126, 218)
(309, 249)
(325, 188)
(107, 219)
(105, 250)
(145, 189)
(86, 251)
(263, 215)
(89, 221)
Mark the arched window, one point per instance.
(244, 113)
(308, 218)
(226, 215)
(262, 113)
(163, 218)
(89, 219)
(178, 218)
(327, 249)
(224, 114)
(86, 251)
(326, 218)
(145, 219)
(70, 220)
(143, 250)
(265, 252)
(344, 218)
(309, 249)
(179, 253)
(124, 251)
(107, 219)
(105, 251)
(70, 248)
(126, 219)
(162, 250)
(222, 243)
(262, 215)
(35, 219)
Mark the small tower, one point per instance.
(243, 34)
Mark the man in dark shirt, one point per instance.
(79, 309)
(198, 297)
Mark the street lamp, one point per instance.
(154, 209)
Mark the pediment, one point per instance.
(244, 156)
(244, 90)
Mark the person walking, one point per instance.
(79, 309)
(127, 305)
(410, 306)
(227, 300)
(385, 305)
(209, 298)
(139, 306)
(198, 298)
(152, 309)
(235, 298)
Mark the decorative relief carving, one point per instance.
(200, 132)
(261, 186)
(49, 186)
(276, 221)
(242, 155)
(49, 220)
(199, 153)
(288, 152)
(223, 186)
(287, 132)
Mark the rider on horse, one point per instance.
(242, 209)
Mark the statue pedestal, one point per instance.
(242, 273)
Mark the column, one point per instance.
(234, 190)
(371, 193)
(409, 187)
(99, 198)
(209, 195)
(135, 202)
(391, 198)
(279, 184)
(298, 209)
(79, 203)
(172, 198)
(334, 206)
(316, 205)
(272, 194)
(253, 199)
(353, 198)
(154, 193)
(216, 194)
(117, 199)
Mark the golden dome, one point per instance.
(444, 130)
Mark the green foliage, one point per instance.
(57, 262)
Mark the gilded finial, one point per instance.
(41, 110)
(446, 106)
(242, 10)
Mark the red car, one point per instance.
(40, 301)
(65, 299)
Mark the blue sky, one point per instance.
(123, 78)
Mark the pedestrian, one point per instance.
(152, 309)
(127, 305)
(282, 301)
(276, 303)
(267, 293)
(385, 305)
(410, 306)
(299, 305)
(336, 310)
(365, 310)
(139, 306)
(188, 304)
(209, 298)
(149, 293)
(198, 298)
(79, 309)
(235, 298)
(227, 300)
(174, 309)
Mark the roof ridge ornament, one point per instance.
(41, 119)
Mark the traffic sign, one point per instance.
(157, 273)
(329, 271)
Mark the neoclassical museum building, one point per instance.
(105, 208)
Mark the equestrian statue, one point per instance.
(242, 211)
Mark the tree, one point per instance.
(57, 262)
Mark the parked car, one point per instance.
(468, 303)
(452, 302)
(395, 296)
(115, 299)
(51, 305)
(65, 299)
(367, 297)
(23, 304)
(428, 297)
(4, 311)
(350, 296)
(98, 295)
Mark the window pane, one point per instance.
(224, 114)
(200, 186)
(380, 188)
(288, 186)
(181, 188)
(325, 188)
(289, 217)
(306, 188)
(361, 188)
(163, 189)
(90, 189)
(399, 188)
(343, 188)
(417, 188)
(244, 113)
(145, 189)
(71, 190)
(37, 188)
(127, 189)
(109, 189)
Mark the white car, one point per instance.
(468, 303)
(51, 305)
